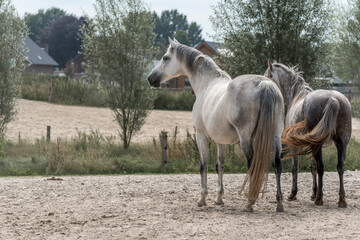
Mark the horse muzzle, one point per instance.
(154, 79)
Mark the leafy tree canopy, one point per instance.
(291, 32)
(171, 23)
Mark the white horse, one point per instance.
(248, 110)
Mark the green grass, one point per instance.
(94, 154)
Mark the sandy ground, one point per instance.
(164, 207)
(65, 121)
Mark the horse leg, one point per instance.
(340, 167)
(278, 169)
(313, 172)
(295, 170)
(203, 145)
(220, 171)
(320, 171)
(246, 147)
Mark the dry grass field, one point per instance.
(66, 121)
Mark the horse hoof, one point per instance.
(201, 203)
(280, 208)
(248, 209)
(219, 202)
(292, 198)
(342, 204)
(312, 198)
(319, 202)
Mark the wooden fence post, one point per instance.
(50, 89)
(164, 147)
(48, 130)
(350, 95)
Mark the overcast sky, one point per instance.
(195, 10)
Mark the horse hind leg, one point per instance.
(247, 149)
(320, 171)
(341, 148)
(220, 171)
(313, 173)
(278, 169)
(295, 170)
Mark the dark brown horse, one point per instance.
(313, 118)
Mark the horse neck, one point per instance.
(205, 77)
(299, 93)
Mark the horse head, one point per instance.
(168, 67)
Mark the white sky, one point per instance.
(195, 10)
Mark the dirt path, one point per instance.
(164, 207)
(65, 121)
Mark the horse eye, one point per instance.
(165, 58)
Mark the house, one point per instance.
(77, 65)
(206, 47)
(39, 60)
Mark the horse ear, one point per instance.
(176, 41)
(275, 61)
(172, 43)
(270, 65)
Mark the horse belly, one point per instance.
(223, 133)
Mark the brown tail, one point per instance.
(297, 135)
(263, 142)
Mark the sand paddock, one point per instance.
(164, 207)
(157, 206)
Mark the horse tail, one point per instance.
(297, 135)
(263, 136)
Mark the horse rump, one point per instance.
(300, 136)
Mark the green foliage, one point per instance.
(40, 20)
(94, 154)
(171, 23)
(12, 35)
(355, 107)
(291, 32)
(64, 90)
(167, 100)
(347, 51)
(118, 46)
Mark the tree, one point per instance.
(173, 24)
(63, 38)
(291, 32)
(40, 20)
(118, 47)
(347, 53)
(12, 35)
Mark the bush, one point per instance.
(64, 90)
(355, 105)
(169, 100)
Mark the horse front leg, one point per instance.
(320, 171)
(203, 144)
(341, 148)
(295, 170)
(278, 170)
(220, 171)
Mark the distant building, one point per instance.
(77, 64)
(38, 58)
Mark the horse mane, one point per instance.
(196, 61)
(300, 88)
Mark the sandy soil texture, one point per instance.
(65, 121)
(164, 207)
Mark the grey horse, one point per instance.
(313, 118)
(247, 110)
